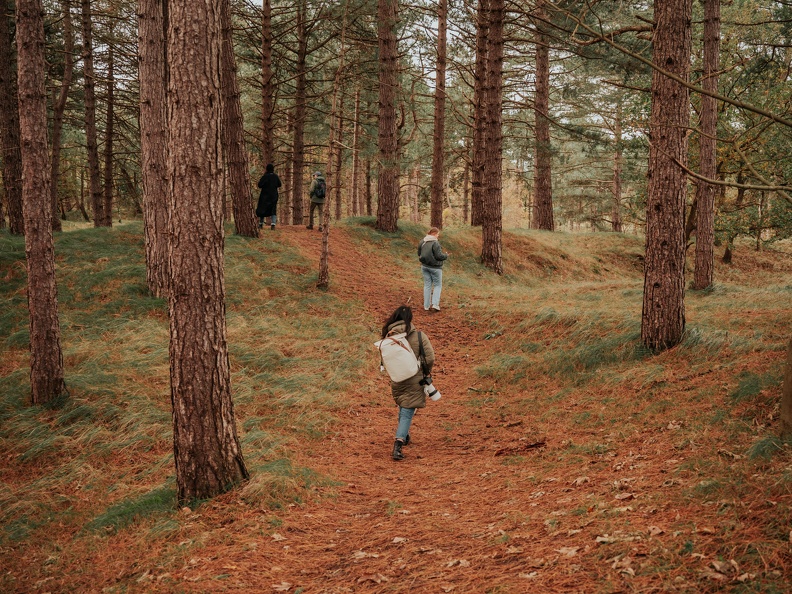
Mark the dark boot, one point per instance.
(397, 450)
(407, 440)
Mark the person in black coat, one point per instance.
(268, 199)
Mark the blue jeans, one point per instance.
(273, 217)
(433, 279)
(405, 420)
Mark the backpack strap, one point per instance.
(421, 354)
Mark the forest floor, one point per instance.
(522, 478)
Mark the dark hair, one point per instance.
(403, 313)
(270, 168)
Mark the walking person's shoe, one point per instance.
(309, 226)
(397, 450)
(435, 308)
(272, 227)
(320, 228)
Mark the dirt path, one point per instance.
(432, 523)
(453, 516)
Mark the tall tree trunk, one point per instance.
(46, 357)
(298, 143)
(356, 158)
(267, 87)
(288, 175)
(663, 317)
(786, 394)
(738, 202)
(233, 129)
(616, 220)
(94, 183)
(439, 118)
(108, 147)
(81, 204)
(388, 182)
(465, 192)
(369, 211)
(543, 189)
(207, 454)
(59, 108)
(708, 149)
(339, 152)
(479, 116)
(414, 194)
(492, 196)
(152, 26)
(333, 172)
(9, 126)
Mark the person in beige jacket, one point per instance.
(408, 394)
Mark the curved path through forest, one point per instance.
(451, 516)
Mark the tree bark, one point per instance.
(465, 192)
(285, 204)
(207, 454)
(46, 357)
(236, 156)
(479, 116)
(708, 148)
(153, 142)
(58, 110)
(267, 87)
(9, 126)
(543, 188)
(356, 206)
(663, 317)
(298, 143)
(338, 151)
(107, 205)
(786, 394)
(95, 188)
(369, 211)
(388, 182)
(492, 196)
(616, 219)
(438, 165)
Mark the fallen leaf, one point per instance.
(447, 588)
(714, 575)
(528, 576)
(377, 578)
(568, 551)
(605, 539)
(580, 480)
(621, 562)
(706, 530)
(625, 496)
(398, 540)
(655, 531)
(459, 562)
(513, 550)
(363, 555)
(277, 537)
(628, 571)
(722, 566)
(282, 587)
(745, 577)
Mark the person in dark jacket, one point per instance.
(432, 256)
(317, 193)
(268, 198)
(408, 394)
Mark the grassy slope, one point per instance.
(563, 328)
